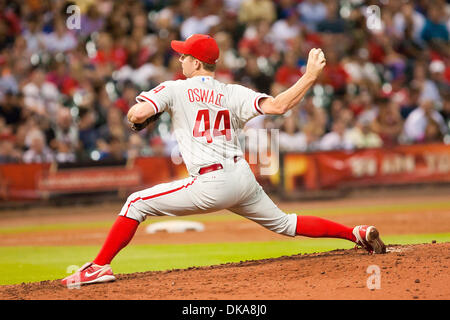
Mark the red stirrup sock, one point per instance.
(119, 236)
(315, 227)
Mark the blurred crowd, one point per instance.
(65, 88)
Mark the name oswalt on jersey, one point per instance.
(205, 96)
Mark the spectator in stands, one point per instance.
(6, 38)
(108, 52)
(289, 72)
(5, 131)
(312, 133)
(8, 152)
(252, 11)
(337, 139)
(363, 107)
(435, 31)
(445, 112)
(61, 39)
(8, 81)
(388, 123)
(428, 89)
(10, 110)
(407, 19)
(38, 152)
(88, 135)
(228, 54)
(253, 76)
(408, 24)
(309, 113)
(263, 44)
(128, 98)
(361, 71)
(64, 78)
(115, 151)
(41, 96)
(362, 136)
(199, 22)
(115, 127)
(333, 23)
(66, 131)
(291, 138)
(33, 34)
(101, 105)
(433, 132)
(336, 108)
(92, 21)
(417, 122)
(411, 103)
(437, 75)
(334, 73)
(258, 41)
(312, 12)
(285, 29)
(135, 146)
(158, 147)
(63, 153)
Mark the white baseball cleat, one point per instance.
(368, 237)
(88, 274)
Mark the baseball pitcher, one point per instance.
(206, 116)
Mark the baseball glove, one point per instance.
(140, 126)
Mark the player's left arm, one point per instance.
(150, 105)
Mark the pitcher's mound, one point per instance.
(405, 272)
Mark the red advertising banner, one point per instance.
(398, 165)
(19, 181)
(428, 163)
(92, 179)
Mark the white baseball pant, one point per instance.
(234, 188)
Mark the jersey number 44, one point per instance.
(223, 116)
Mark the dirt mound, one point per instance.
(405, 272)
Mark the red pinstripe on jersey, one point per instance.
(159, 194)
(256, 104)
(151, 101)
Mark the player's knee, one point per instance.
(133, 198)
(131, 208)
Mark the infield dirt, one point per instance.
(406, 272)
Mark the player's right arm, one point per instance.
(292, 96)
(140, 112)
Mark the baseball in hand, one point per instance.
(321, 55)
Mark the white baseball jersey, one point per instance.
(206, 117)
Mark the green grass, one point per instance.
(30, 264)
(388, 208)
(107, 224)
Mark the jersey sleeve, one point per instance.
(159, 97)
(245, 103)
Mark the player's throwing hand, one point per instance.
(316, 62)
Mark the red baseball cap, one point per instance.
(200, 46)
